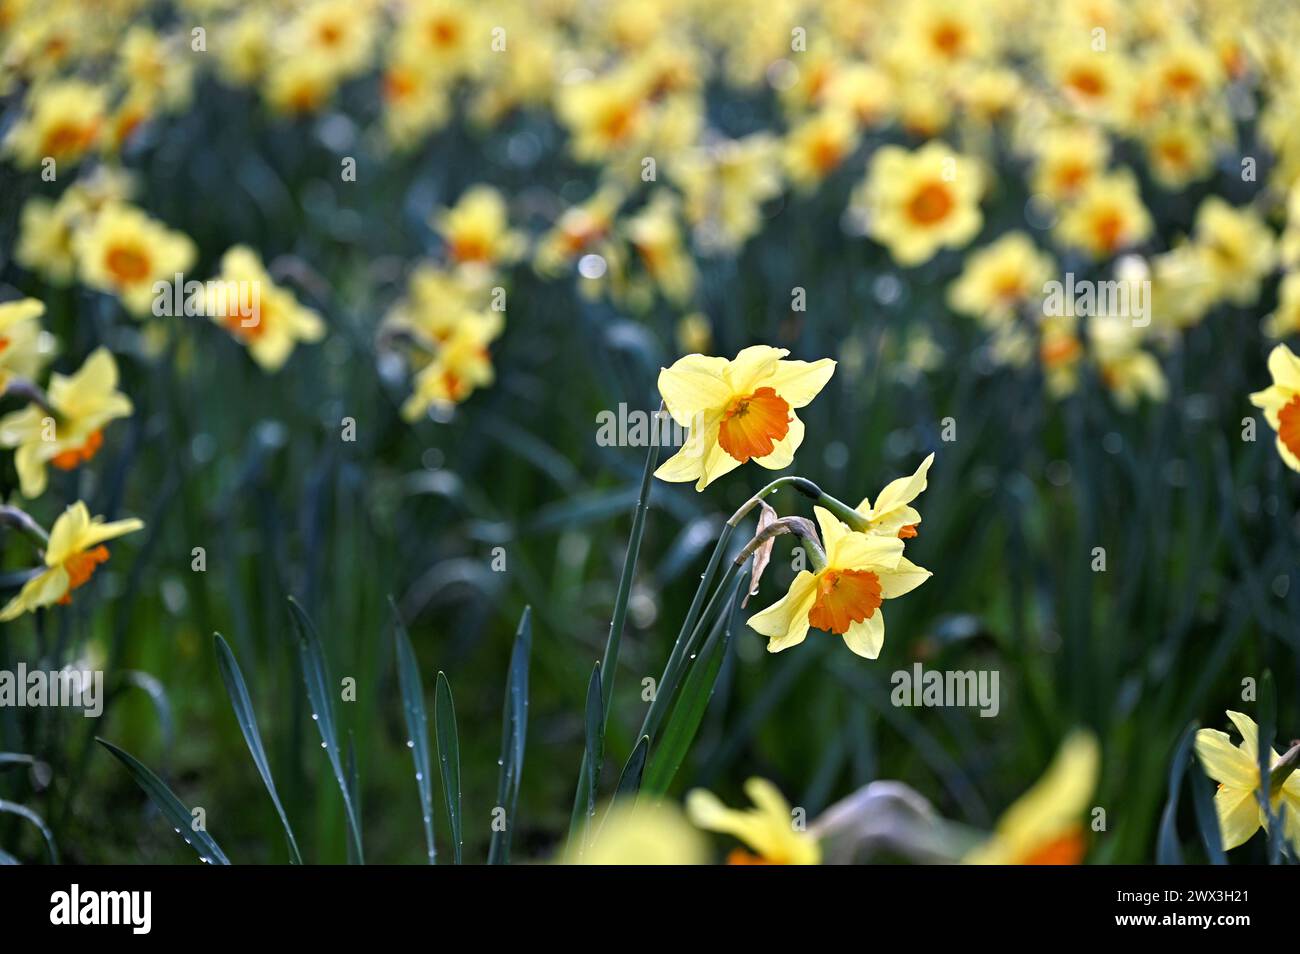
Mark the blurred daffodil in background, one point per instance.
(75, 549)
(1045, 825)
(770, 831)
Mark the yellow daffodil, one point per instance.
(63, 122)
(1281, 403)
(725, 186)
(125, 252)
(1179, 151)
(70, 432)
(23, 347)
(477, 230)
(1107, 217)
(892, 514)
(642, 833)
(460, 364)
(919, 202)
(1044, 826)
(606, 117)
(1239, 249)
(656, 235)
(580, 230)
(1000, 278)
(1285, 320)
(1127, 371)
(1066, 159)
(75, 549)
(338, 34)
(1060, 353)
(1236, 769)
(818, 146)
(266, 318)
(768, 829)
(843, 596)
(738, 410)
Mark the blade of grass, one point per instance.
(444, 709)
(320, 695)
(514, 729)
(172, 808)
(13, 808)
(242, 703)
(417, 726)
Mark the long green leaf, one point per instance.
(1207, 819)
(609, 662)
(680, 729)
(417, 727)
(595, 748)
(514, 729)
(1168, 849)
(172, 808)
(444, 709)
(13, 808)
(321, 697)
(242, 703)
(629, 782)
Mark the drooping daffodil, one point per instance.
(843, 594)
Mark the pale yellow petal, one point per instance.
(798, 382)
(1223, 761)
(1238, 812)
(866, 637)
(693, 386)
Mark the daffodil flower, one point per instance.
(1044, 826)
(75, 549)
(69, 432)
(892, 514)
(1281, 403)
(767, 829)
(844, 594)
(21, 355)
(1236, 769)
(738, 411)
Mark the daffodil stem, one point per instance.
(22, 388)
(801, 484)
(20, 520)
(1283, 769)
(693, 623)
(844, 512)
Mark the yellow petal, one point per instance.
(1238, 813)
(1284, 366)
(902, 490)
(753, 368)
(66, 534)
(798, 382)
(694, 385)
(1223, 761)
(785, 622)
(866, 637)
(906, 577)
